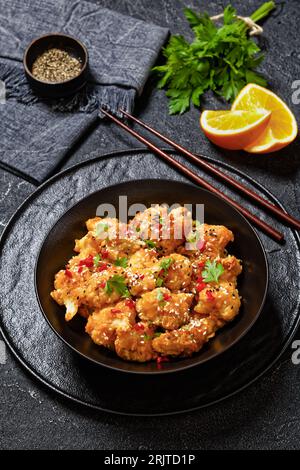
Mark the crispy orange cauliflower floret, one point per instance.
(173, 271)
(167, 230)
(103, 325)
(179, 274)
(135, 343)
(164, 309)
(223, 301)
(186, 340)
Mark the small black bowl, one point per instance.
(57, 249)
(61, 41)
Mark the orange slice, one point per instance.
(234, 129)
(282, 128)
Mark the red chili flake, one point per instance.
(104, 254)
(141, 276)
(160, 360)
(130, 303)
(201, 264)
(115, 310)
(199, 279)
(88, 262)
(138, 327)
(68, 273)
(201, 245)
(80, 269)
(102, 284)
(103, 267)
(167, 297)
(209, 295)
(161, 272)
(200, 286)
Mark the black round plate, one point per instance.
(54, 364)
(58, 248)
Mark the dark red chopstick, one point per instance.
(275, 234)
(275, 210)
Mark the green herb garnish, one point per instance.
(121, 262)
(147, 337)
(118, 284)
(160, 298)
(157, 334)
(97, 259)
(212, 271)
(221, 59)
(192, 238)
(150, 243)
(101, 227)
(164, 266)
(159, 282)
(166, 263)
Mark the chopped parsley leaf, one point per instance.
(118, 284)
(159, 282)
(97, 259)
(166, 263)
(212, 271)
(121, 262)
(160, 296)
(150, 243)
(161, 299)
(101, 227)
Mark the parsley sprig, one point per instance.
(118, 284)
(221, 59)
(212, 271)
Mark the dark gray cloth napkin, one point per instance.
(37, 134)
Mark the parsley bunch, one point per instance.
(219, 59)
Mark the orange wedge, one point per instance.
(234, 129)
(282, 127)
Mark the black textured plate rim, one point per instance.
(67, 396)
(161, 371)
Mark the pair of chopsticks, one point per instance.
(273, 209)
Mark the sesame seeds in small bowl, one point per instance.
(56, 65)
